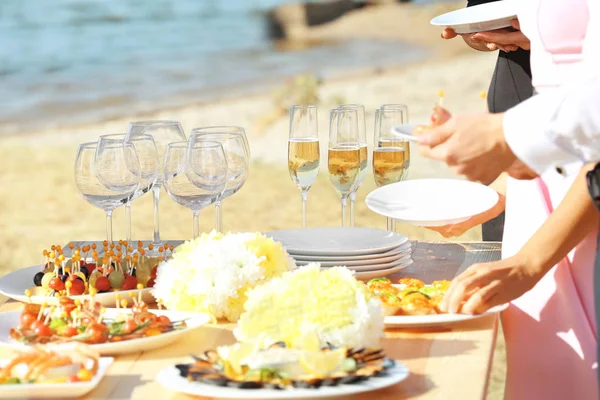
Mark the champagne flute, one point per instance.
(403, 109)
(93, 190)
(343, 154)
(364, 155)
(163, 133)
(150, 168)
(237, 153)
(195, 177)
(390, 155)
(303, 150)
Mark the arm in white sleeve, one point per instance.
(556, 127)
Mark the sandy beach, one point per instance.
(40, 205)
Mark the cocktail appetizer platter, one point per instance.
(108, 331)
(52, 372)
(109, 269)
(249, 371)
(412, 303)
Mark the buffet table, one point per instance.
(444, 363)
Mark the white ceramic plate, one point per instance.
(432, 202)
(15, 283)
(170, 378)
(423, 321)
(55, 390)
(363, 265)
(406, 248)
(337, 241)
(405, 132)
(11, 319)
(484, 17)
(380, 273)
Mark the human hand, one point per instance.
(458, 229)
(449, 33)
(518, 170)
(486, 285)
(504, 39)
(471, 145)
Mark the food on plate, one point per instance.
(409, 297)
(277, 366)
(42, 365)
(439, 116)
(122, 267)
(84, 321)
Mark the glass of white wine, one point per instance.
(303, 150)
(343, 154)
(403, 110)
(364, 155)
(390, 157)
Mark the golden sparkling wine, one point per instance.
(389, 165)
(303, 161)
(403, 144)
(344, 167)
(364, 161)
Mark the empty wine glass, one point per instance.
(343, 154)
(237, 153)
(303, 150)
(196, 178)
(106, 190)
(390, 157)
(163, 133)
(364, 154)
(150, 168)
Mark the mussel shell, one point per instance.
(350, 379)
(274, 386)
(314, 383)
(388, 363)
(278, 344)
(245, 385)
(330, 382)
(354, 352)
(213, 379)
(183, 369)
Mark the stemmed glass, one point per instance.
(364, 154)
(99, 180)
(163, 133)
(403, 110)
(390, 155)
(150, 167)
(195, 177)
(237, 153)
(303, 150)
(343, 154)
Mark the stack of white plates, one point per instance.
(371, 253)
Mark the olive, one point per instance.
(37, 279)
(85, 271)
(64, 277)
(116, 279)
(133, 272)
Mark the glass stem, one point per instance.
(128, 221)
(344, 201)
(196, 224)
(391, 224)
(352, 205)
(304, 195)
(218, 217)
(156, 195)
(109, 226)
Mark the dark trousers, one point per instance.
(511, 84)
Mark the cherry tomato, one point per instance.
(78, 287)
(163, 320)
(150, 283)
(102, 284)
(43, 330)
(129, 326)
(129, 283)
(90, 267)
(73, 379)
(36, 324)
(27, 319)
(153, 272)
(70, 331)
(98, 333)
(56, 284)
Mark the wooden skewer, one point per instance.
(483, 95)
(41, 310)
(441, 98)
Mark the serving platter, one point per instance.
(171, 379)
(424, 321)
(193, 321)
(55, 390)
(480, 18)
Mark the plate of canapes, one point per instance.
(118, 330)
(249, 371)
(52, 372)
(114, 272)
(411, 303)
